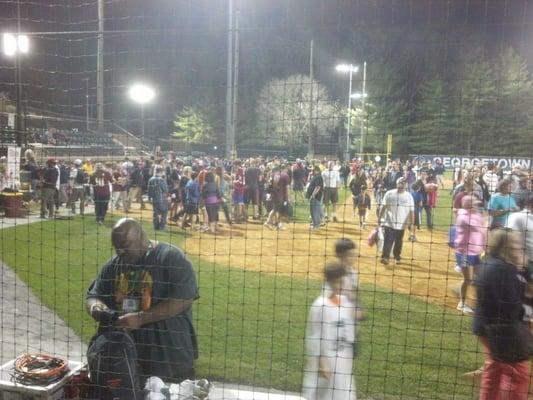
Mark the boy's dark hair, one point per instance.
(194, 175)
(343, 245)
(333, 271)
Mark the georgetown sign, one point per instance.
(452, 161)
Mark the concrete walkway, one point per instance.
(26, 325)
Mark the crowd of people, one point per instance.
(491, 236)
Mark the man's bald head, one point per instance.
(129, 240)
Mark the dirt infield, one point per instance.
(426, 271)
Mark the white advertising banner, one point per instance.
(452, 161)
(13, 166)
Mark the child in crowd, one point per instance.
(363, 205)
(330, 341)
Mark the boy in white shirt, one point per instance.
(331, 341)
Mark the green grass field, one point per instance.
(251, 325)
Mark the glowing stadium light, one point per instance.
(358, 95)
(141, 93)
(11, 44)
(346, 68)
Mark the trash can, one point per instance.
(12, 204)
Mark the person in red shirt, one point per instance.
(101, 181)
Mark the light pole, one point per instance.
(13, 46)
(350, 68)
(141, 94)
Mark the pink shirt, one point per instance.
(471, 234)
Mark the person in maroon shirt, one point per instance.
(101, 181)
(280, 198)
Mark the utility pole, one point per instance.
(87, 100)
(363, 117)
(229, 84)
(235, 82)
(100, 69)
(20, 133)
(311, 139)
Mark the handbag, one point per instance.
(373, 237)
(510, 342)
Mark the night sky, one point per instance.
(180, 46)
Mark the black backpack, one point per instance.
(112, 360)
(80, 177)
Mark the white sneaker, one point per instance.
(465, 309)
(458, 269)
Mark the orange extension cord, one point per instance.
(39, 369)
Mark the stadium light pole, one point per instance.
(348, 68)
(14, 45)
(141, 94)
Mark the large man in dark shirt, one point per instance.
(152, 287)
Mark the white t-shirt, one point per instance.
(491, 179)
(330, 335)
(332, 179)
(522, 222)
(397, 209)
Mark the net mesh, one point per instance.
(294, 120)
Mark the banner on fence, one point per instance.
(452, 161)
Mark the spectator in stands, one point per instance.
(158, 195)
(501, 292)
(49, 188)
(135, 184)
(502, 204)
(78, 180)
(101, 183)
(396, 214)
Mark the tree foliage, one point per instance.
(192, 126)
(289, 109)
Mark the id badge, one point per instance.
(131, 304)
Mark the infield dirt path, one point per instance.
(426, 271)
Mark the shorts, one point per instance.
(238, 198)
(465, 261)
(191, 209)
(331, 195)
(252, 195)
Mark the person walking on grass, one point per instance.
(363, 204)
(330, 339)
(158, 194)
(332, 182)
(396, 214)
(470, 241)
(315, 191)
(101, 183)
(211, 197)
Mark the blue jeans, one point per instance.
(315, 207)
(160, 215)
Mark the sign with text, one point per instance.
(452, 161)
